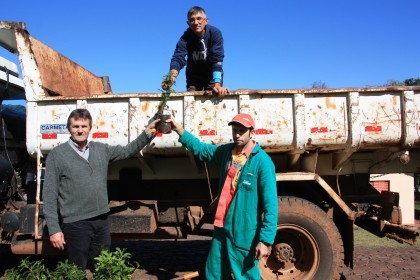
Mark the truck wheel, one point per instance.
(307, 245)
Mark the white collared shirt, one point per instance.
(84, 154)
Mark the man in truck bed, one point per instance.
(202, 44)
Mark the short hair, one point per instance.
(77, 114)
(194, 10)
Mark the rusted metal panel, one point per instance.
(381, 121)
(49, 71)
(22, 245)
(61, 76)
(326, 121)
(134, 216)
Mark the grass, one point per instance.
(365, 239)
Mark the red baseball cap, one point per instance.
(244, 119)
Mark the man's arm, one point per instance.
(216, 57)
(50, 194)
(268, 194)
(178, 61)
(122, 152)
(205, 152)
(50, 197)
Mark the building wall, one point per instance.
(403, 183)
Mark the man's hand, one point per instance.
(169, 81)
(178, 128)
(262, 250)
(57, 240)
(219, 90)
(151, 128)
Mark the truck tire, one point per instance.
(307, 245)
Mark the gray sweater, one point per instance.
(77, 188)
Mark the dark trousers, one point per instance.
(86, 239)
(199, 85)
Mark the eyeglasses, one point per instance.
(198, 19)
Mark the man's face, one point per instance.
(241, 135)
(197, 22)
(79, 130)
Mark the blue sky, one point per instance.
(268, 44)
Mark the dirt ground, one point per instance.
(176, 260)
(169, 259)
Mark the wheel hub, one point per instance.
(283, 252)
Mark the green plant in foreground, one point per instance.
(68, 271)
(28, 270)
(113, 265)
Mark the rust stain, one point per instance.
(395, 100)
(329, 101)
(145, 106)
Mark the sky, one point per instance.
(273, 44)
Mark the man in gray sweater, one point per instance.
(75, 189)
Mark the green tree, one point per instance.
(412, 82)
(406, 82)
(393, 83)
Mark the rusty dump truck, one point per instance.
(325, 144)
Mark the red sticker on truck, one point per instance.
(373, 128)
(321, 129)
(100, 135)
(207, 132)
(49, 135)
(50, 131)
(261, 131)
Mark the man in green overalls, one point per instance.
(246, 217)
